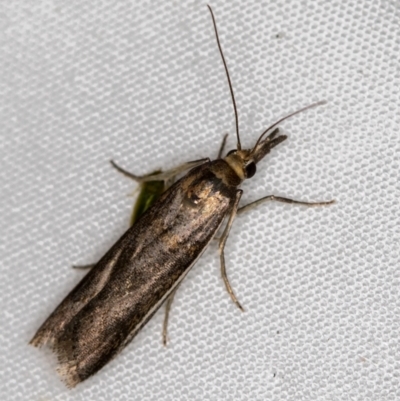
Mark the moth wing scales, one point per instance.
(86, 289)
(137, 285)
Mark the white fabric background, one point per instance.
(142, 83)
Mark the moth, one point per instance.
(143, 269)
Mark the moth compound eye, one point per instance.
(250, 169)
(231, 151)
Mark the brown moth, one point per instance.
(119, 295)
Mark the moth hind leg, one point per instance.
(168, 305)
(84, 267)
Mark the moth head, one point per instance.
(244, 161)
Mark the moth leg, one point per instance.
(162, 175)
(222, 243)
(222, 147)
(283, 200)
(170, 299)
(83, 267)
(166, 316)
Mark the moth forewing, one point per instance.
(118, 296)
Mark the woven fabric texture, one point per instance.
(141, 82)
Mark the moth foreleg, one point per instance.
(162, 175)
(222, 147)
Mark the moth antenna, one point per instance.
(239, 147)
(310, 106)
